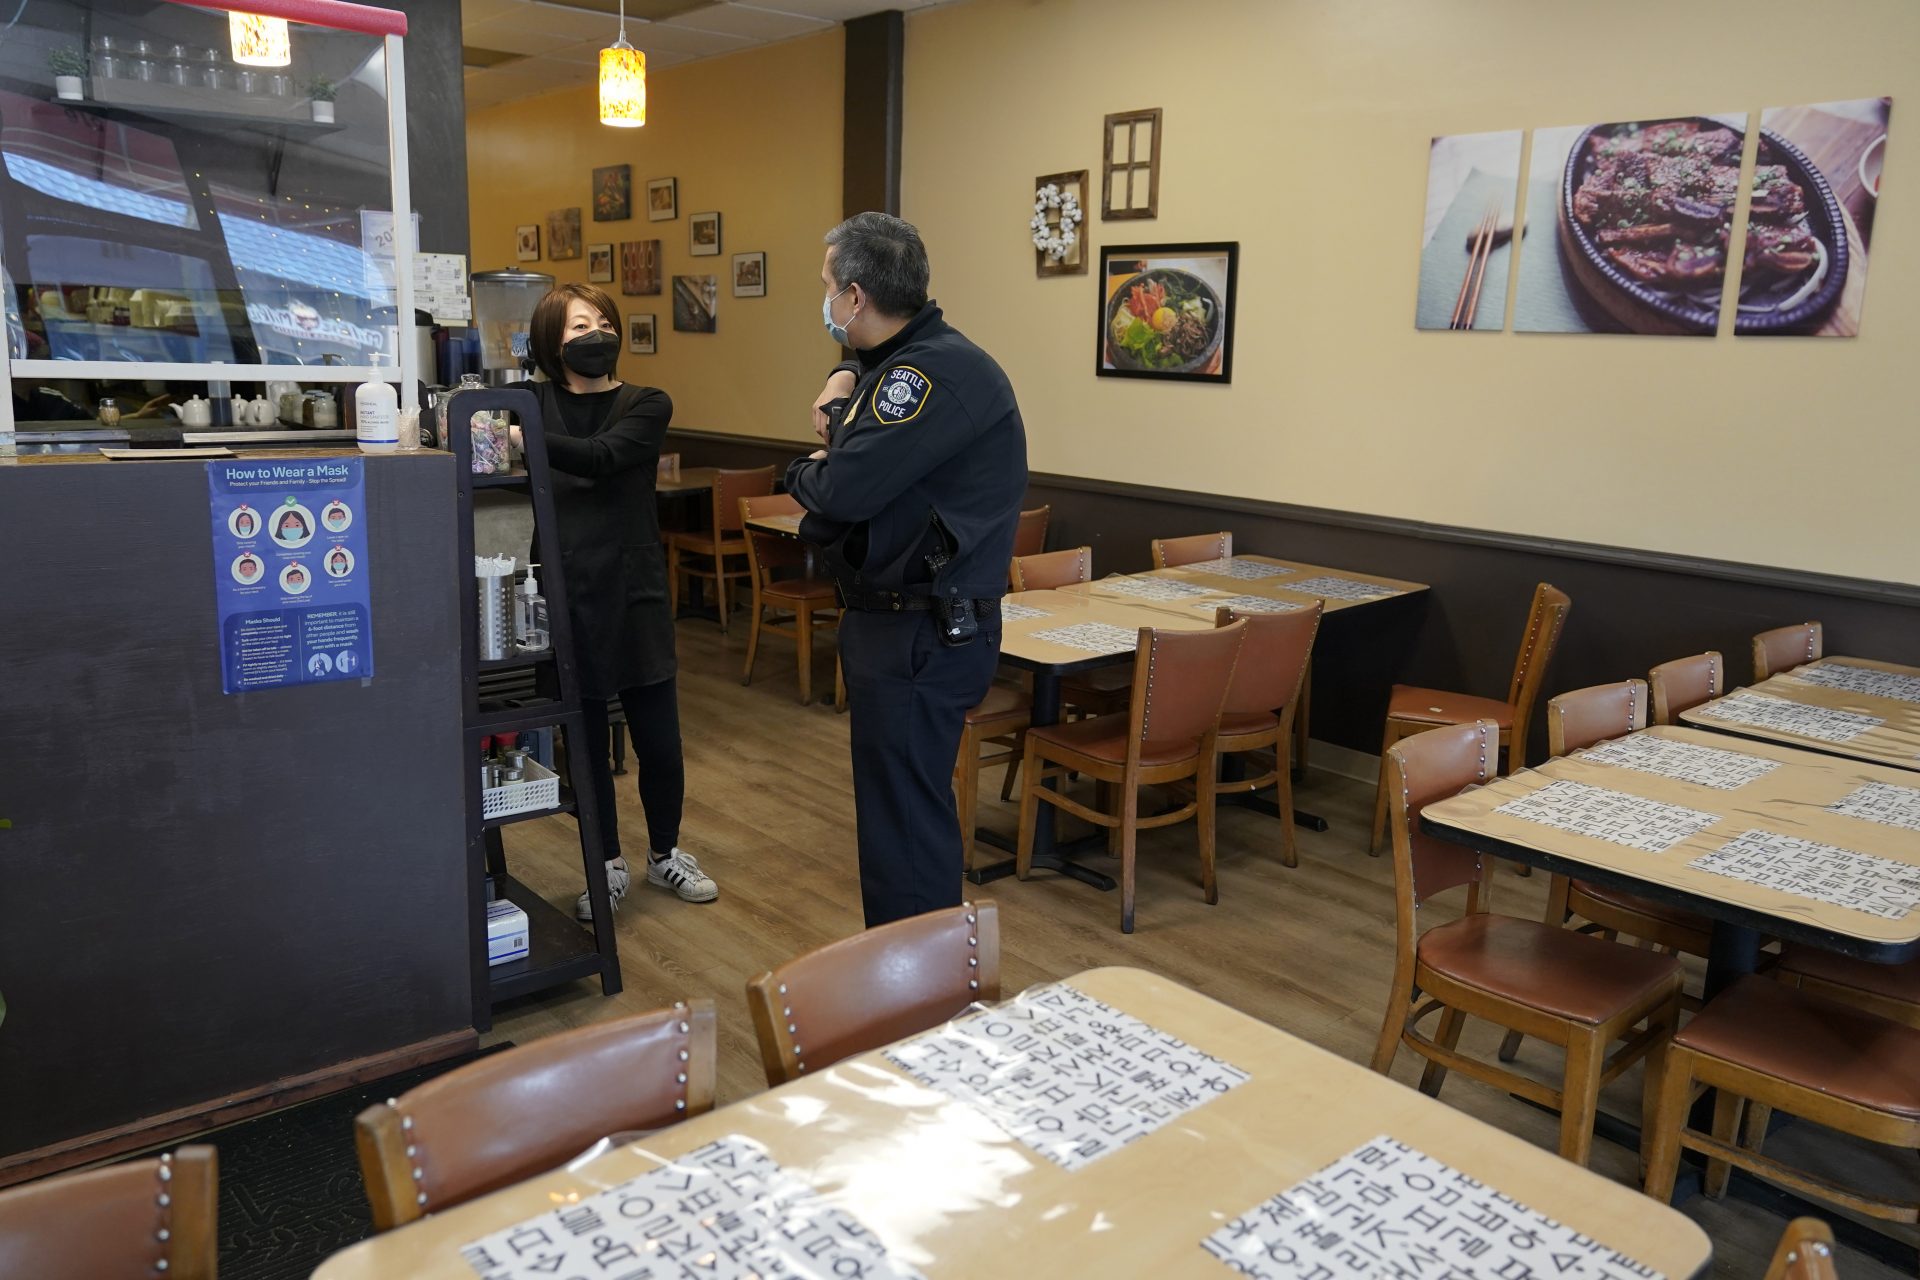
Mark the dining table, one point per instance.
(1115, 1123)
(1855, 707)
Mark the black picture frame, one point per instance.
(1120, 264)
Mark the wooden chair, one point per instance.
(1890, 990)
(1180, 682)
(999, 721)
(1412, 710)
(801, 601)
(1686, 683)
(511, 1115)
(1805, 1252)
(669, 468)
(1171, 553)
(1097, 692)
(1051, 570)
(1761, 1042)
(1030, 538)
(1784, 648)
(723, 540)
(1563, 987)
(1261, 704)
(141, 1218)
(874, 988)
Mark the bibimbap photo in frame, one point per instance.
(1166, 311)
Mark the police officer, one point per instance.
(915, 500)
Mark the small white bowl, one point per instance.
(1871, 161)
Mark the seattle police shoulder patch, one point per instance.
(901, 395)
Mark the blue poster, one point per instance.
(290, 571)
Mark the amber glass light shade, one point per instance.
(623, 85)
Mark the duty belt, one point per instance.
(901, 602)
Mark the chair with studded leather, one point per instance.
(1686, 683)
(1180, 682)
(1171, 553)
(1805, 1252)
(785, 586)
(723, 545)
(874, 988)
(1097, 692)
(141, 1218)
(1570, 989)
(506, 1117)
(1784, 648)
(1412, 710)
(1029, 538)
(1262, 702)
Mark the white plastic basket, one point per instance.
(540, 789)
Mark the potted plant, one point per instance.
(69, 68)
(322, 91)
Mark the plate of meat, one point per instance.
(1646, 218)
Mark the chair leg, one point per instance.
(1029, 810)
(1129, 841)
(1728, 1108)
(1283, 792)
(1393, 1026)
(1559, 888)
(1580, 1095)
(1387, 739)
(1103, 793)
(1013, 776)
(673, 579)
(1759, 1117)
(1662, 1025)
(720, 587)
(803, 640)
(1205, 816)
(753, 637)
(1660, 1126)
(1447, 1034)
(1302, 715)
(966, 790)
(1510, 1046)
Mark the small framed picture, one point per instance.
(1166, 311)
(640, 339)
(526, 242)
(599, 264)
(749, 275)
(694, 300)
(703, 234)
(613, 193)
(563, 234)
(663, 199)
(639, 266)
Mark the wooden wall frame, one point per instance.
(1122, 165)
(1075, 263)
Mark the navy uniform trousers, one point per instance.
(907, 699)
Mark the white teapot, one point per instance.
(196, 412)
(261, 412)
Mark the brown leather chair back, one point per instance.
(1583, 717)
(1805, 1252)
(731, 486)
(1180, 682)
(769, 552)
(1784, 648)
(1052, 569)
(1171, 553)
(507, 1117)
(1545, 619)
(1274, 659)
(876, 987)
(1685, 683)
(1030, 538)
(143, 1218)
(1426, 767)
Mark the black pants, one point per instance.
(908, 696)
(653, 722)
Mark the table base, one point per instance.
(1059, 860)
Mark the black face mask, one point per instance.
(592, 355)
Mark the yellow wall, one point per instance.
(1300, 128)
(755, 136)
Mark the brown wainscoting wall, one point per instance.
(1631, 609)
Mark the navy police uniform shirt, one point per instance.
(931, 429)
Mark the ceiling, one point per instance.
(518, 48)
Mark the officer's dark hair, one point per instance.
(547, 331)
(885, 257)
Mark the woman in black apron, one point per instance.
(603, 444)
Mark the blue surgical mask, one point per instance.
(835, 331)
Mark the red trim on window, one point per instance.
(323, 13)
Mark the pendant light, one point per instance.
(259, 41)
(623, 81)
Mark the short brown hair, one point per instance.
(544, 333)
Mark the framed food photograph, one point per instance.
(703, 234)
(613, 193)
(663, 199)
(640, 340)
(599, 264)
(526, 242)
(639, 267)
(749, 275)
(1166, 311)
(694, 300)
(563, 234)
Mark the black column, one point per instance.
(870, 146)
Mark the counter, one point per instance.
(214, 905)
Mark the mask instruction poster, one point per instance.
(290, 571)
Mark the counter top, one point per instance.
(92, 456)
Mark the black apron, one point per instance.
(616, 572)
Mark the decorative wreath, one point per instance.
(1055, 241)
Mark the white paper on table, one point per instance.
(1617, 817)
(1882, 802)
(1329, 588)
(1743, 706)
(1069, 1077)
(1011, 612)
(1387, 1210)
(1092, 637)
(1823, 872)
(1250, 570)
(1249, 604)
(1151, 588)
(1896, 685)
(1704, 766)
(726, 1211)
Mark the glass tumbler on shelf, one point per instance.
(109, 413)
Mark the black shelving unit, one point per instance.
(560, 949)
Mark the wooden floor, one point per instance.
(770, 816)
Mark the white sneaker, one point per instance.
(680, 873)
(617, 882)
